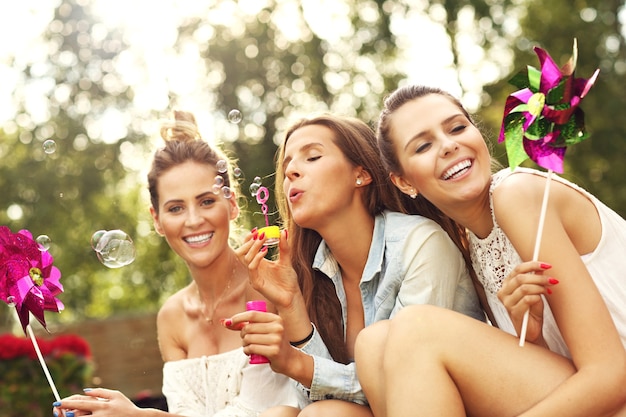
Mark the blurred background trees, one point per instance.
(84, 85)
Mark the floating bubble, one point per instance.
(216, 189)
(254, 188)
(115, 249)
(235, 116)
(95, 238)
(11, 301)
(49, 146)
(257, 180)
(219, 180)
(44, 242)
(227, 192)
(237, 172)
(221, 166)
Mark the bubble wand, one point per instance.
(262, 195)
(29, 282)
(541, 120)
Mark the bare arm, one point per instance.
(579, 310)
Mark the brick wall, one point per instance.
(125, 353)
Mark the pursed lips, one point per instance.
(295, 194)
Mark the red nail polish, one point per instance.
(262, 236)
(553, 281)
(255, 235)
(549, 291)
(253, 231)
(228, 322)
(545, 266)
(264, 249)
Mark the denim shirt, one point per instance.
(411, 260)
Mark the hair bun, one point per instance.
(183, 128)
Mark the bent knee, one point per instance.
(371, 336)
(418, 323)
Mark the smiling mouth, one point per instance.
(199, 238)
(457, 170)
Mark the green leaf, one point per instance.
(514, 141)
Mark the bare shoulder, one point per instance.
(525, 190)
(173, 307)
(521, 185)
(171, 321)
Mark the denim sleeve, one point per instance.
(331, 380)
(435, 271)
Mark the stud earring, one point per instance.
(413, 194)
(359, 181)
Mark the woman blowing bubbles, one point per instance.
(206, 372)
(434, 362)
(346, 262)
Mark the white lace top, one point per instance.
(494, 257)
(224, 385)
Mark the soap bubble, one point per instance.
(95, 238)
(257, 180)
(11, 301)
(219, 180)
(234, 116)
(115, 249)
(49, 146)
(44, 242)
(221, 166)
(227, 192)
(254, 188)
(237, 172)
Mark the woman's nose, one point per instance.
(193, 217)
(449, 146)
(291, 170)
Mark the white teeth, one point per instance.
(457, 170)
(199, 238)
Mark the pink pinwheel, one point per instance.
(27, 278)
(543, 117)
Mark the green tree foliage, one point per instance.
(81, 187)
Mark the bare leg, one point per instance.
(280, 411)
(369, 353)
(439, 362)
(335, 408)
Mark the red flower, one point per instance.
(12, 347)
(27, 278)
(70, 343)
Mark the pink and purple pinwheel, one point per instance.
(543, 117)
(28, 280)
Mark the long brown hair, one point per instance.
(421, 205)
(357, 142)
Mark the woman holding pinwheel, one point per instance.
(432, 362)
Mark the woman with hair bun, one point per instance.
(206, 373)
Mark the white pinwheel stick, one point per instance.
(542, 218)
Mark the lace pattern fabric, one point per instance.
(494, 257)
(200, 387)
(225, 385)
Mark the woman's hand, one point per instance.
(276, 280)
(521, 291)
(98, 402)
(264, 334)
